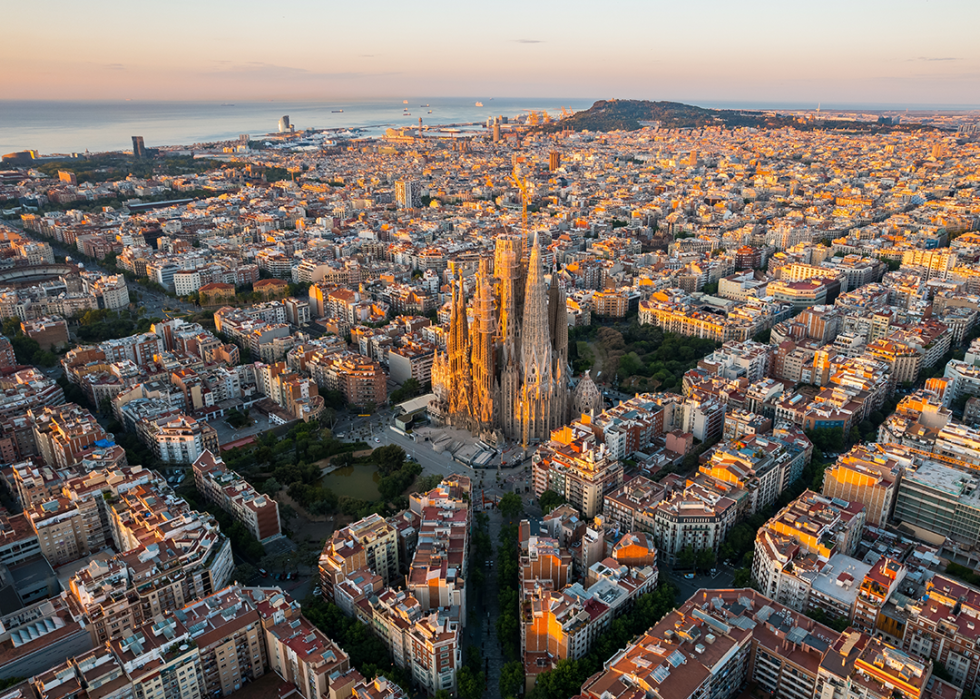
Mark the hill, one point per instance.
(630, 115)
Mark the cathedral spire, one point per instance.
(483, 352)
(459, 357)
(536, 355)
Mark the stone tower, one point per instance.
(537, 414)
(558, 325)
(483, 353)
(507, 268)
(458, 349)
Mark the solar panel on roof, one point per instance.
(676, 658)
(796, 635)
(661, 673)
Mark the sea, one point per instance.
(53, 127)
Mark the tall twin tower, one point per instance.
(507, 373)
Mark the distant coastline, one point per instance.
(51, 126)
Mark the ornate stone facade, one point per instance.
(507, 374)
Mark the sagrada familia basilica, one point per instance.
(505, 374)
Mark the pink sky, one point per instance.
(868, 51)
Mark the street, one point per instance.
(481, 626)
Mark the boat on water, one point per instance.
(337, 111)
(423, 105)
(430, 111)
(479, 104)
(404, 101)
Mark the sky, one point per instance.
(909, 52)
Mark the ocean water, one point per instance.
(67, 127)
(97, 126)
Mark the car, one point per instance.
(376, 439)
(317, 592)
(278, 576)
(263, 573)
(714, 571)
(689, 576)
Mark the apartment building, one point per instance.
(63, 433)
(139, 349)
(869, 474)
(941, 626)
(437, 576)
(370, 542)
(426, 644)
(50, 332)
(18, 540)
(576, 466)
(735, 360)
(632, 505)
(97, 674)
(803, 294)
(110, 290)
(160, 659)
(560, 620)
(903, 361)
(259, 513)
(297, 650)
(719, 641)
(739, 423)
(411, 360)
(104, 592)
(630, 426)
(35, 484)
(178, 439)
(160, 537)
(361, 380)
(940, 501)
(59, 529)
(805, 534)
(230, 639)
(762, 466)
(697, 517)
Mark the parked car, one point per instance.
(689, 576)
(263, 573)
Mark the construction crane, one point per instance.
(521, 183)
(565, 113)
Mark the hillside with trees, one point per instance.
(630, 115)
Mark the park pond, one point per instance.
(358, 481)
